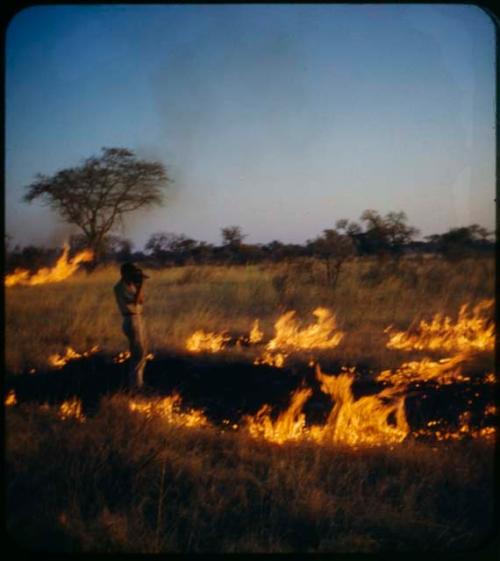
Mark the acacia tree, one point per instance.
(232, 243)
(98, 193)
(232, 236)
(334, 249)
(165, 245)
(381, 234)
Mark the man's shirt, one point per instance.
(125, 294)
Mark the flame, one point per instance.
(58, 361)
(290, 425)
(463, 431)
(121, 357)
(317, 336)
(364, 421)
(63, 268)
(71, 409)
(289, 336)
(169, 409)
(10, 399)
(370, 420)
(201, 341)
(272, 359)
(445, 371)
(490, 378)
(256, 335)
(470, 332)
(125, 355)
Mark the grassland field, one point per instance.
(121, 482)
(370, 296)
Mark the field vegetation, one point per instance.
(370, 295)
(122, 482)
(117, 480)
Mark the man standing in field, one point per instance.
(129, 293)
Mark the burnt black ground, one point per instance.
(229, 390)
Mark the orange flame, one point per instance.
(316, 336)
(256, 335)
(63, 268)
(289, 336)
(470, 332)
(201, 341)
(71, 409)
(58, 361)
(363, 421)
(370, 420)
(125, 355)
(10, 399)
(272, 359)
(290, 425)
(445, 371)
(169, 409)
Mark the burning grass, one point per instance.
(126, 481)
(470, 332)
(80, 311)
(63, 269)
(375, 470)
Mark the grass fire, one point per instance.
(305, 414)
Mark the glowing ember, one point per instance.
(490, 409)
(121, 357)
(201, 341)
(437, 430)
(63, 269)
(490, 378)
(256, 335)
(58, 361)
(469, 332)
(169, 409)
(290, 425)
(272, 359)
(71, 409)
(10, 399)
(445, 371)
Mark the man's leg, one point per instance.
(137, 351)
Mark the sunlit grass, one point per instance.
(126, 482)
(370, 295)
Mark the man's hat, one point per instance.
(130, 270)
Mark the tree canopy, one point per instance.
(97, 194)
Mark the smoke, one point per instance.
(228, 77)
(60, 233)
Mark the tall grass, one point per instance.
(120, 482)
(369, 296)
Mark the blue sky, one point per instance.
(279, 119)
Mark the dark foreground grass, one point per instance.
(120, 482)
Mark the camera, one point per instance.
(137, 277)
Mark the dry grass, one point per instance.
(125, 483)
(81, 311)
(119, 482)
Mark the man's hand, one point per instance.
(139, 296)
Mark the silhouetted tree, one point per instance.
(232, 236)
(165, 246)
(232, 241)
(334, 249)
(381, 235)
(457, 242)
(98, 193)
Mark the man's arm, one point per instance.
(139, 295)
